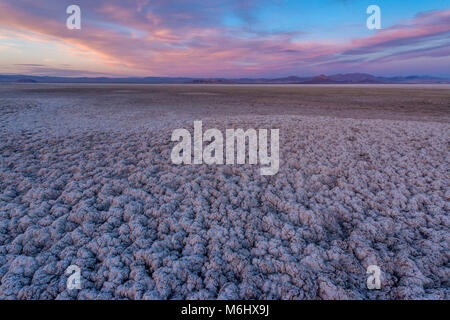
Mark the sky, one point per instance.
(229, 38)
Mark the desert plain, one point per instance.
(86, 180)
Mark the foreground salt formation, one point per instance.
(104, 196)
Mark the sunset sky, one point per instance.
(211, 38)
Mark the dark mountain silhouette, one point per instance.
(290, 79)
(25, 80)
(348, 78)
(320, 79)
(212, 81)
(357, 78)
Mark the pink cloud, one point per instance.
(147, 44)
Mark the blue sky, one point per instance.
(231, 38)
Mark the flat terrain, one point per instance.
(86, 179)
(401, 102)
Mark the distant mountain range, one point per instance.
(348, 78)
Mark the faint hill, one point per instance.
(26, 80)
(357, 78)
(287, 80)
(419, 79)
(347, 78)
(211, 81)
(321, 79)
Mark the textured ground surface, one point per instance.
(86, 179)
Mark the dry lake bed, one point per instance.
(86, 179)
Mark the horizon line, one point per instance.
(226, 78)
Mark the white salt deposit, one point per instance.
(99, 191)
